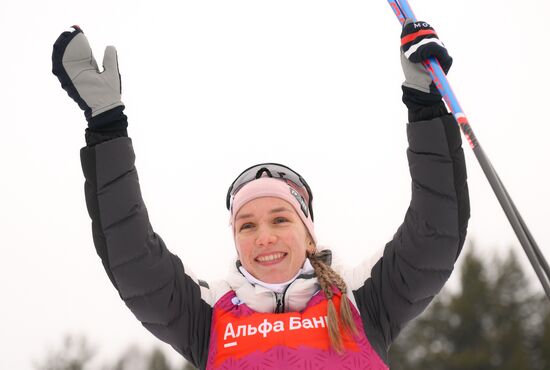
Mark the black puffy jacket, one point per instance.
(177, 308)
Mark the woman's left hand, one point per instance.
(419, 42)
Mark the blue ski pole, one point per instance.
(403, 12)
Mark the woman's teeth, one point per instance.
(270, 257)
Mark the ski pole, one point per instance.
(403, 11)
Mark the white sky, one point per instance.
(212, 87)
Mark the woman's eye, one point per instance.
(279, 220)
(245, 226)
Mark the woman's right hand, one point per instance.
(97, 93)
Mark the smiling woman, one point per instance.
(285, 305)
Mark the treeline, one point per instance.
(495, 320)
(76, 353)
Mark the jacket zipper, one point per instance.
(280, 298)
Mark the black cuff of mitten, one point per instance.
(428, 113)
(107, 126)
(113, 119)
(423, 106)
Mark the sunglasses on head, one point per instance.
(273, 170)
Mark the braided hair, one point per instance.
(328, 280)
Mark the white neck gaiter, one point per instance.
(278, 287)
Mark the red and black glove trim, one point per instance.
(419, 42)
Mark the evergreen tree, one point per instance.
(158, 361)
(469, 322)
(511, 308)
(541, 338)
(75, 354)
(188, 366)
(132, 359)
(544, 346)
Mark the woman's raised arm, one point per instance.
(419, 259)
(151, 281)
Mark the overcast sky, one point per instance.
(212, 87)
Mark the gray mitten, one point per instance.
(97, 93)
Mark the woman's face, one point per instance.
(271, 239)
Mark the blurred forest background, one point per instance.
(496, 319)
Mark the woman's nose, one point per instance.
(265, 237)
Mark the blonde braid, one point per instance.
(332, 317)
(345, 310)
(328, 278)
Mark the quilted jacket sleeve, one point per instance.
(151, 280)
(419, 259)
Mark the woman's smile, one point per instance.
(270, 259)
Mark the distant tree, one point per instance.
(132, 359)
(468, 324)
(75, 354)
(188, 366)
(541, 342)
(513, 305)
(544, 346)
(157, 360)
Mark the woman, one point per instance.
(284, 306)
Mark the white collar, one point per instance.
(278, 287)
